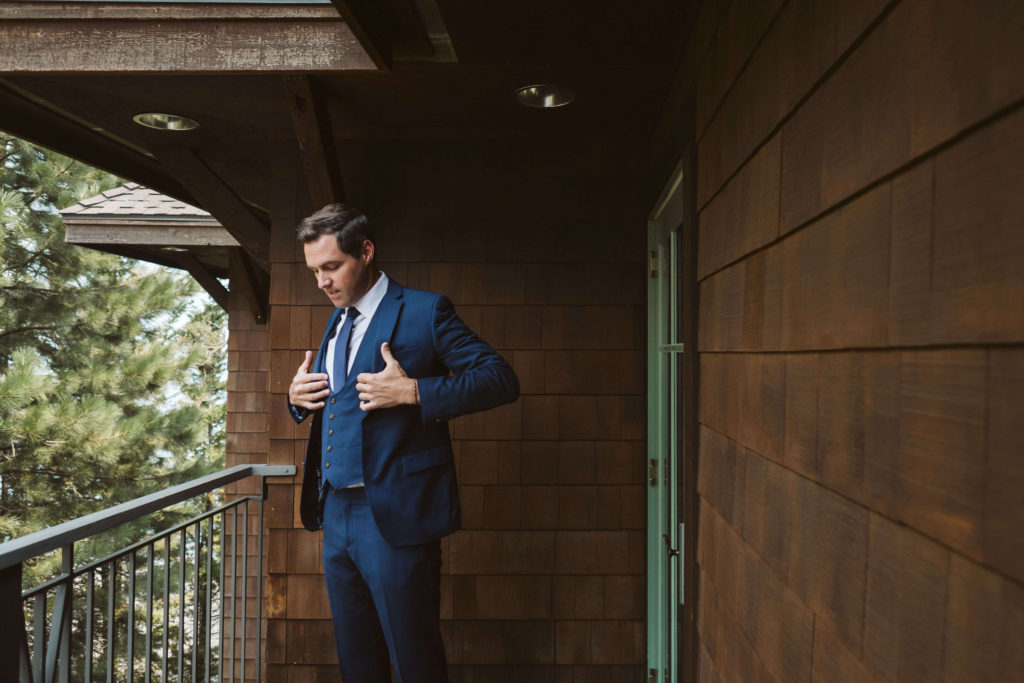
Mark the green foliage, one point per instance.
(111, 371)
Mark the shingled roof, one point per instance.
(140, 223)
(133, 200)
(134, 215)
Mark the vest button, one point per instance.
(330, 432)
(327, 465)
(328, 448)
(332, 401)
(331, 416)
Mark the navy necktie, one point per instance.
(341, 356)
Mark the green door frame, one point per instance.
(671, 418)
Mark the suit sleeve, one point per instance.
(480, 378)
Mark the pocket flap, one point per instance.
(416, 462)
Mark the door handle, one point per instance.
(672, 552)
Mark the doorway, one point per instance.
(671, 423)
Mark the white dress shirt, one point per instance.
(366, 306)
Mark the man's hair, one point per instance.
(349, 227)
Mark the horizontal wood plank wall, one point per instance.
(861, 272)
(542, 253)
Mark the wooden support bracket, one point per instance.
(312, 122)
(253, 282)
(35, 119)
(214, 195)
(205, 278)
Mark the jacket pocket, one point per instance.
(417, 462)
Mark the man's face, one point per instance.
(343, 277)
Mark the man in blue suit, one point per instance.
(393, 367)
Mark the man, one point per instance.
(393, 367)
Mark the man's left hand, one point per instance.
(388, 388)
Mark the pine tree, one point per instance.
(111, 371)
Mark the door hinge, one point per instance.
(652, 472)
(653, 263)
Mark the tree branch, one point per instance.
(30, 328)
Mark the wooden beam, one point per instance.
(217, 197)
(252, 282)
(46, 125)
(369, 24)
(151, 38)
(312, 122)
(169, 10)
(145, 233)
(205, 278)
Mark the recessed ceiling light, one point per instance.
(161, 121)
(174, 250)
(545, 96)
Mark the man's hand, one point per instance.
(308, 389)
(388, 388)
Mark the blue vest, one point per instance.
(342, 436)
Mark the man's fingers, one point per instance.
(391, 364)
(305, 364)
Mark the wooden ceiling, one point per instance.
(74, 73)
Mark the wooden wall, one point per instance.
(861, 271)
(541, 247)
(246, 442)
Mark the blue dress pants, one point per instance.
(384, 600)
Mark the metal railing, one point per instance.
(182, 621)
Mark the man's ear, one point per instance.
(367, 251)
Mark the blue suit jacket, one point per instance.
(408, 465)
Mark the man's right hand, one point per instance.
(308, 389)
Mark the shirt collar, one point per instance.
(369, 302)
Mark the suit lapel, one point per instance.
(332, 323)
(384, 323)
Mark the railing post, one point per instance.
(67, 568)
(264, 491)
(12, 620)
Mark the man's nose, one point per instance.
(322, 281)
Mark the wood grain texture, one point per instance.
(193, 45)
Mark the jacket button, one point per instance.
(330, 432)
(327, 465)
(328, 448)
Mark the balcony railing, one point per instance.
(170, 607)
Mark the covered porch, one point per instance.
(759, 278)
